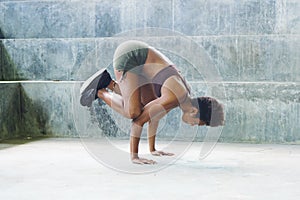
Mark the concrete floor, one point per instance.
(63, 169)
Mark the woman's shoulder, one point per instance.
(174, 85)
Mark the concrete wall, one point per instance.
(254, 45)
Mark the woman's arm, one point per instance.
(152, 112)
(127, 102)
(152, 129)
(155, 110)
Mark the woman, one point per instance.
(148, 86)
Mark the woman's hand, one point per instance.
(142, 161)
(161, 153)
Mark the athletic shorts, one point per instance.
(129, 55)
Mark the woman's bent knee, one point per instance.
(134, 113)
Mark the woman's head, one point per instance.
(205, 111)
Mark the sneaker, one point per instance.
(88, 90)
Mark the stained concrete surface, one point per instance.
(58, 168)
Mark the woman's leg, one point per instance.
(126, 99)
(114, 86)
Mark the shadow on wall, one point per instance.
(19, 115)
(22, 117)
(7, 68)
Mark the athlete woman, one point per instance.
(146, 88)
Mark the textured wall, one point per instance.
(238, 58)
(101, 18)
(255, 46)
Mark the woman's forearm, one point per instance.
(151, 113)
(152, 129)
(135, 135)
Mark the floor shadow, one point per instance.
(9, 143)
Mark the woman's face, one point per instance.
(190, 117)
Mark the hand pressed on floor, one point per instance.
(142, 161)
(161, 153)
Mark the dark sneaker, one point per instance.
(88, 90)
